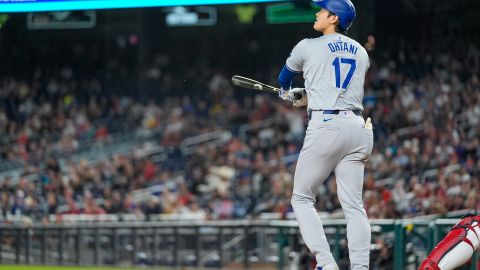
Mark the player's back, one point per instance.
(334, 72)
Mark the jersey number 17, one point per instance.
(338, 63)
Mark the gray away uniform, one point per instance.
(334, 68)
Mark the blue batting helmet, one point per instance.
(344, 9)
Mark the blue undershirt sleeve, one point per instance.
(285, 79)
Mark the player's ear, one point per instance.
(334, 19)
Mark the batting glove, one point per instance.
(285, 95)
(368, 123)
(299, 97)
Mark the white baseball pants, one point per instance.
(339, 143)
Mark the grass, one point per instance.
(46, 267)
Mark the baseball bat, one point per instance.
(252, 84)
(256, 85)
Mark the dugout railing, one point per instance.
(396, 244)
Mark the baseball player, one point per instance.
(457, 247)
(337, 138)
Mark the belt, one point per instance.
(336, 112)
(356, 112)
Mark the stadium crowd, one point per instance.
(425, 110)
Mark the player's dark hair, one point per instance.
(338, 29)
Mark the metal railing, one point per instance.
(216, 244)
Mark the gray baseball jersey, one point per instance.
(334, 68)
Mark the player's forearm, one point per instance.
(285, 79)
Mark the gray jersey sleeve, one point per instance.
(298, 56)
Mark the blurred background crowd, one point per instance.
(426, 113)
(147, 125)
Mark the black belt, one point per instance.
(356, 112)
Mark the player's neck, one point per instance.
(329, 30)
